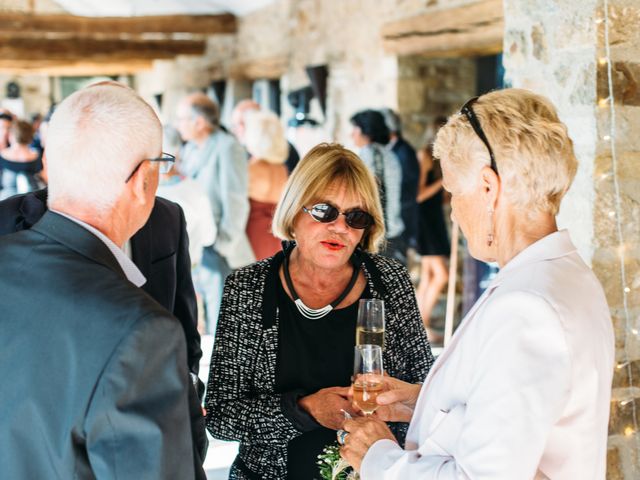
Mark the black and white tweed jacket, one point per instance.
(241, 403)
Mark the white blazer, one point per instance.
(523, 390)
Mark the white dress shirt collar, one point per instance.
(129, 268)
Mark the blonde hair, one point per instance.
(264, 137)
(532, 149)
(96, 138)
(327, 165)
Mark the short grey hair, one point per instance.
(171, 140)
(96, 137)
(533, 151)
(203, 106)
(264, 137)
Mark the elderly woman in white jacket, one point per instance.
(523, 390)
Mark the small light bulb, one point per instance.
(622, 365)
(634, 331)
(603, 60)
(603, 102)
(629, 431)
(604, 176)
(599, 21)
(612, 214)
(627, 289)
(624, 402)
(606, 138)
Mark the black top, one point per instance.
(313, 354)
(33, 166)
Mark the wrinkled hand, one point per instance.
(398, 400)
(326, 406)
(363, 432)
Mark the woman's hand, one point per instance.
(398, 400)
(326, 406)
(362, 433)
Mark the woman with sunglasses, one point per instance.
(523, 389)
(283, 357)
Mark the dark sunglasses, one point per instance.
(325, 213)
(468, 112)
(165, 163)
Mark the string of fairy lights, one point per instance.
(616, 214)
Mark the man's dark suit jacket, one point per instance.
(410, 177)
(160, 249)
(94, 371)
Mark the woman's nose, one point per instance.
(339, 224)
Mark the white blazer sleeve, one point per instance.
(519, 386)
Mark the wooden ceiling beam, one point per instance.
(33, 49)
(78, 68)
(269, 67)
(473, 29)
(76, 26)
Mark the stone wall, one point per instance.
(35, 90)
(345, 36)
(429, 88)
(559, 49)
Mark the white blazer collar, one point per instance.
(554, 245)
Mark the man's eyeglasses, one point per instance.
(165, 162)
(326, 213)
(468, 112)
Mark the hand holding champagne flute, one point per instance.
(367, 377)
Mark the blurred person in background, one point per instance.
(238, 127)
(408, 160)
(265, 142)
(216, 160)
(19, 162)
(6, 120)
(370, 133)
(433, 237)
(190, 196)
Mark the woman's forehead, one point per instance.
(339, 194)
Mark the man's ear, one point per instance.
(140, 183)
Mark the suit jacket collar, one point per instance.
(141, 250)
(75, 237)
(32, 208)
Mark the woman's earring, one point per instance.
(490, 235)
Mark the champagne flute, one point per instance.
(370, 324)
(367, 377)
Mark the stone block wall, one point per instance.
(429, 88)
(559, 49)
(344, 35)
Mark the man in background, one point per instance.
(99, 384)
(218, 163)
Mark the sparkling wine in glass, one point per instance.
(367, 377)
(370, 325)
